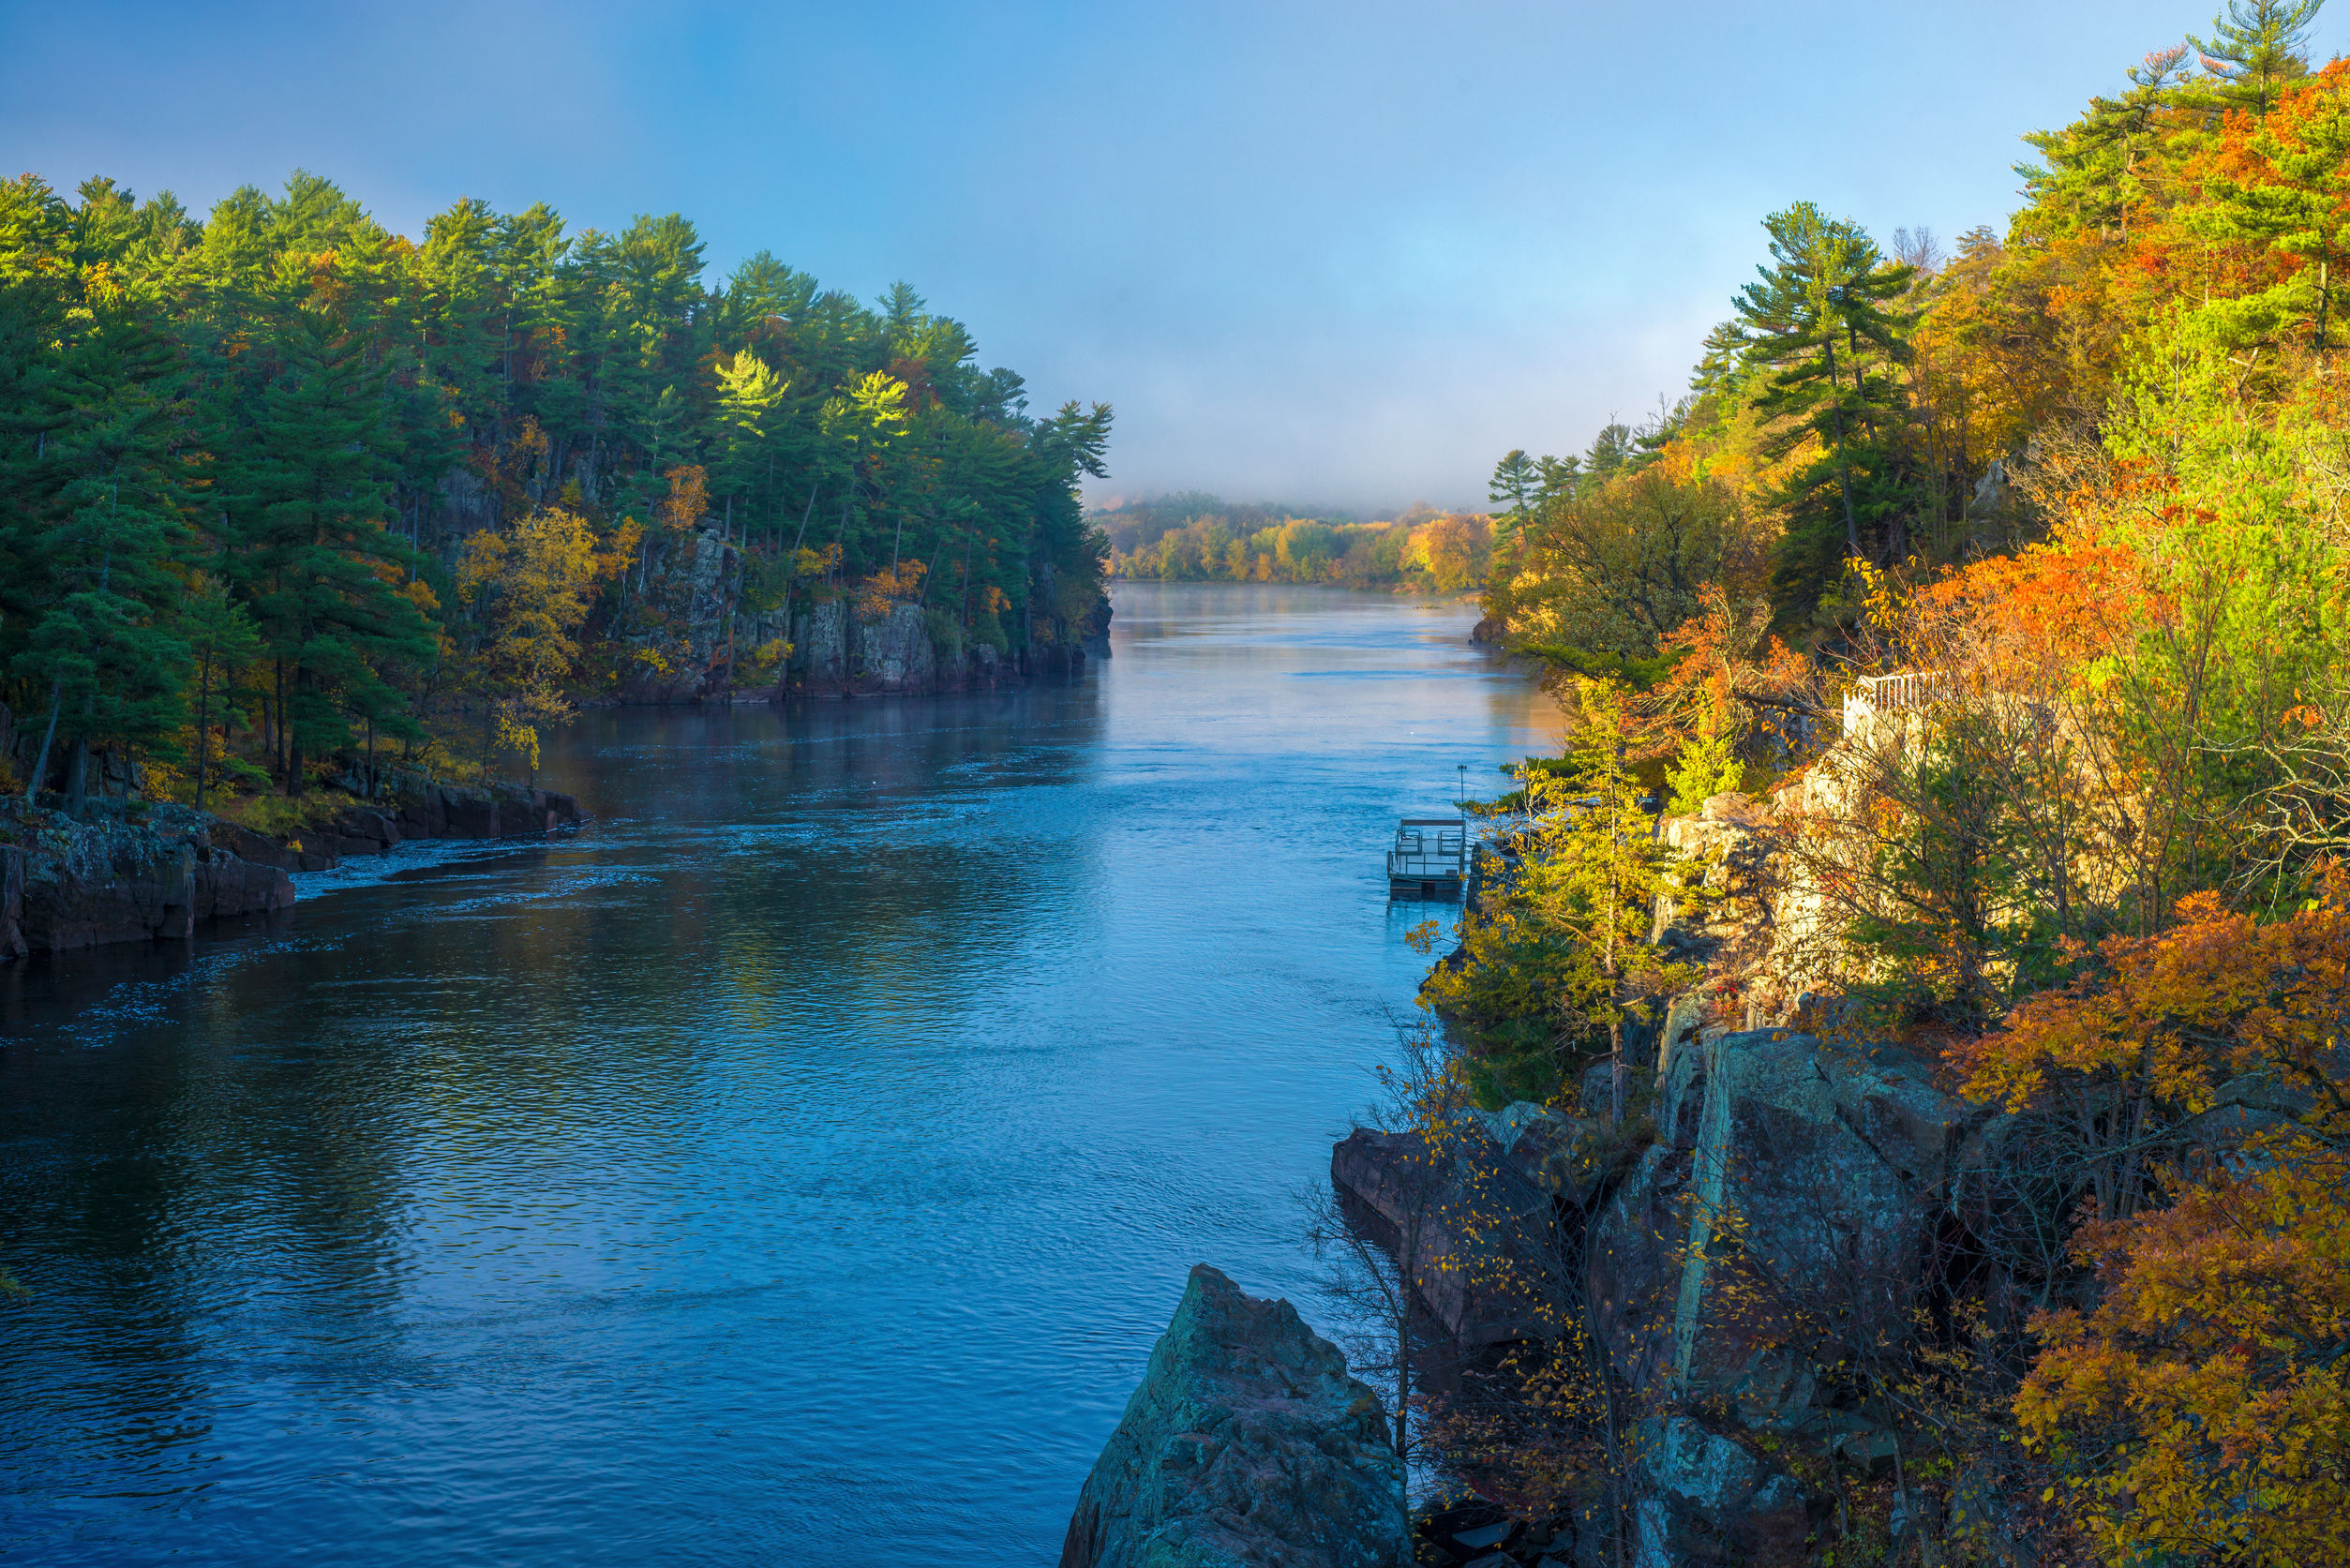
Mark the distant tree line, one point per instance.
(1195, 537)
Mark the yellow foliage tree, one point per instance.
(528, 591)
(1453, 550)
(887, 587)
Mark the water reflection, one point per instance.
(798, 1163)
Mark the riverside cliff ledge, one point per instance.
(141, 872)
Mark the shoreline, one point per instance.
(123, 873)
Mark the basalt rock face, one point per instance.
(147, 871)
(1713, 1501)
(1248, 1446)
(838, 651)
(439, 812)
(1834, 1159)
(67, 884)
(1770, 1180)
(1488, 1215)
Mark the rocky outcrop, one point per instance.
(1248, 1446)
(1771, 1207)
(838, 651)
(1488, 1215)
(140, 871)
(1829, 1161)
(1710, 1500)
(67, 884)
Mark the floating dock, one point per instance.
(1429, 858)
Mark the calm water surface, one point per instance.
(793, 1166)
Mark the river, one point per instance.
(793, 1166)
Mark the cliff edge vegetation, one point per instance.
(1905, 1018)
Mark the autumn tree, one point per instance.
(2292, 196)
(2199, 1409)
(527, 589)
(1621, 567)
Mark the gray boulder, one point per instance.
(1248, 1446)
(1710, 1501)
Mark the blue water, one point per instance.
(795, 1166)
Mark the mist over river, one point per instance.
(794, 1167)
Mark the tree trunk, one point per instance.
(802, 534)
(1843, 470)
(203, 722)
(40, 763)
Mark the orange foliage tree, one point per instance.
(2200, 1409)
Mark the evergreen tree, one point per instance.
(221, 641)
(1809, 324)
(1516, 480)
(317, 563)
(2099, 169)
(105, 551)
(2256, 50)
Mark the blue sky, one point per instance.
(1342, 254)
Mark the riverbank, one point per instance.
(141, 872)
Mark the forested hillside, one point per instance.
(1194, 537)
(278, 486)
(1977, 621)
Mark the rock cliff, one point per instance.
(836, 650)
(66, 883)
(696, 639)
(139, 872)
(1772, 1214)
(1246, 1446)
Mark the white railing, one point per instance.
(1908, 690)
(1911, 691)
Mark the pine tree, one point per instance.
(315, 561)
(106, 549)
(2099, 169)
(220, 640)
(2256, 50)
(1808, 325)
(1516, 480)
